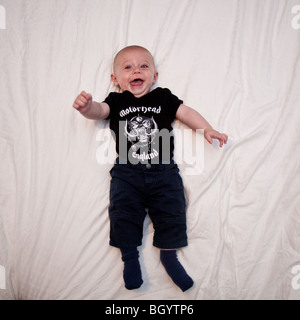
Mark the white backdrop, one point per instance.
(235, 61)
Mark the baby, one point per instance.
(145, 178)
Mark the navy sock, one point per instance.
(132, 271)
(175, 270)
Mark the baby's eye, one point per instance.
(144, 66)
(128, 67)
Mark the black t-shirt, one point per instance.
(143, 126)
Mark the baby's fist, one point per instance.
(83, 102)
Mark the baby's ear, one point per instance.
(114, 79)
(155, 77)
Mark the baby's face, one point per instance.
(134, 70)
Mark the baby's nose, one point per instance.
(136, 70)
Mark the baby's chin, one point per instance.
(138, 91)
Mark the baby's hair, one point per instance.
(131, 47)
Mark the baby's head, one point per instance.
(134, 70)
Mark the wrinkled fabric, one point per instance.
(236, 62)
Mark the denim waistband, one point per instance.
(146, 166)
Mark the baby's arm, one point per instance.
(194, 120)
(89, 108)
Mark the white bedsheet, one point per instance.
(235, 61)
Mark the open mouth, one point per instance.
(137, 82)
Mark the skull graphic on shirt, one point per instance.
(140, 131)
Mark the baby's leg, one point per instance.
(132, 271)
(175, 270)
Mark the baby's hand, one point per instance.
(211, 134)
(83, 102)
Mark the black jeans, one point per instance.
(156, 187)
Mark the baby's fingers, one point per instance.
(81, 100)
(223, 139)
(87, 96)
